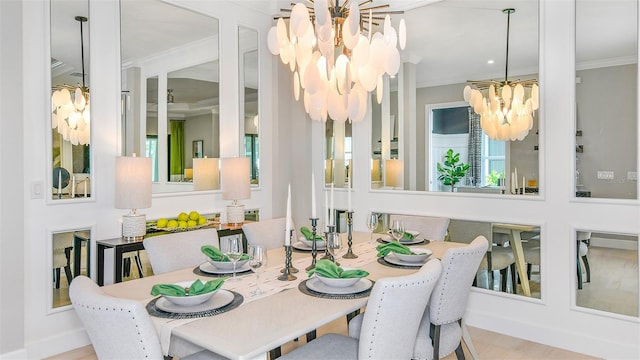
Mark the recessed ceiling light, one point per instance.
(490, 62)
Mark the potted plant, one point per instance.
(453, 169)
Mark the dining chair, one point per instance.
(62, 246)
(118, 328)
(179, 250)
(498, 258)
(389, 324)
(430, 227)
(442, 327)
(268, 233)
(583, 238)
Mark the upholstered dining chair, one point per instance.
(442, 326)
(179, 250)
(583, 238)
(498, 258)
(118, 328)
(62, 246)
(430, 227)
(268, 233)
(389, 324)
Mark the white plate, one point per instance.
(219, 299)
(208, 268)
(301, 246)
(308, 243)
(392, 259)
(403, 241)
(420, 255)
(318, 286)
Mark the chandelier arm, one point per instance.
(506, 62)
(82, 19)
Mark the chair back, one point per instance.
(179, 250)
(459, 268)
(268, 233)
(394, 310)
(465, 231)
(118, 328)
(430, 227)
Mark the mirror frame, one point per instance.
(242, 70)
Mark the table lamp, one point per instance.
(133, 191)
(236, 185)
(393, 173)
(206, 173)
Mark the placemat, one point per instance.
(384, 262)
(423, 242)
(197, 271)
(305, 290)
(153, 311)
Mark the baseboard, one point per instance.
(15, 355)
(56, 344)
(552, 336)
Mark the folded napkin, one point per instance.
(329, 269)
(197, 288)
(408, 236)
(216, 255)
(393, 246)
(308, 234)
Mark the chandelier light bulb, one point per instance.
(335, 65)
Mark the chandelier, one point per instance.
(335, 56)
(70, 114)
(504, 113)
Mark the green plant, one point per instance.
(452, 170)
(494, 178)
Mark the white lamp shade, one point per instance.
(393, 173)
(236, 178)
(133, 182)
(206, 174)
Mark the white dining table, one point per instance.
(515, 237)
(262, 323)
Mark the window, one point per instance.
(152, 152)
(493, 160)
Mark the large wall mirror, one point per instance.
(606, 136)
(424, 114)
(70, 256)
(338, 153)
(171, 84)
(70, 104)
(607, 272)
(249, 98)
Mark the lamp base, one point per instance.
(134, 227)
(235, 214)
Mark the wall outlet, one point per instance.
(605, 175)
(632, 175)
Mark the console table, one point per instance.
(119, 246)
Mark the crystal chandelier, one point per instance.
(71, 114)
(504, 113)
(335, 56)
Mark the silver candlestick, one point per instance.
(349, 254)
(286, 274)
(292, 269)
(314, 246)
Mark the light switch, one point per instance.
(632, 175)
(605, 175)
(36, 190)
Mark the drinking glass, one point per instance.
(372, 223)
(397, 229)
(334, 243)
(257, 263)
(233, 250)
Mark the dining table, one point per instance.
(514, 231)
(284, 311)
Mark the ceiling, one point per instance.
(451, 40)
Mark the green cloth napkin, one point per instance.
(197, 288)
(308, 234)
(328, 269)
(393, 246)
(408, 236)
(216, 255)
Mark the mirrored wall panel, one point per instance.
(70, 257)
(502, 269)
(170, 79)
(606, 136)
(607, 272)
(249, 98)
(338, 153)
(427, 135)
(70, 100)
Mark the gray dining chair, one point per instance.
(179, 250)
(442, 327)
(389, 324)
(119, 328)
(430, 227)
(268, 233)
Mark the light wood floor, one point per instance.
(489, 345)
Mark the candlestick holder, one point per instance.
(330, 230)
(314, 246)
(287, 275)
(292, 269)
(349, 254)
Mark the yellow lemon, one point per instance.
(182, 224)
(194, 215)
(172, 224)
(183, 216)
(162, 223)
(192, 223)
(202, 220)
